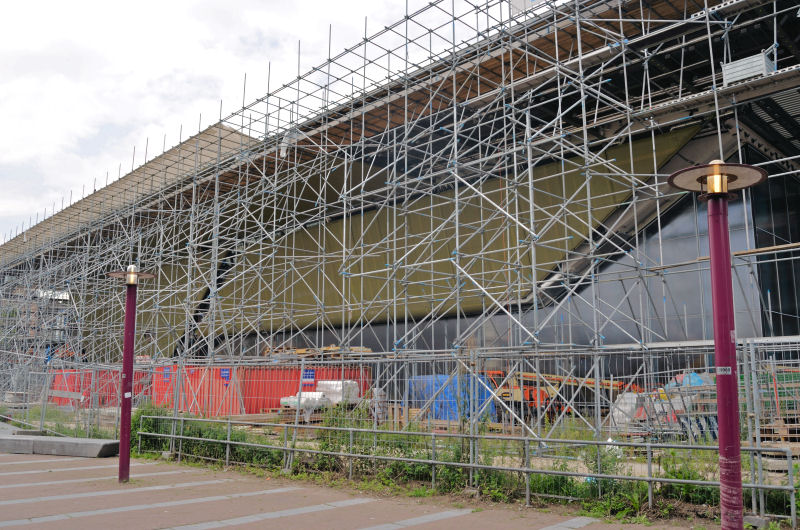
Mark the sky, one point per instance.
(82, 83)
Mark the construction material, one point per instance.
(345, 392)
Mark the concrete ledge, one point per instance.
(54, 445)
(16, 444)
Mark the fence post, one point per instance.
(433, 457)
(176, 398)
(28, 397)
(475, 456)
(45, 393)
(180, 441)
(285, 447)
(139, 436)
(350, 451)
(228, 445)
(792, 498)
(90, 407)
(527, 473)
(757, 425)
(749, 400)
(290, 456)
(649, 476)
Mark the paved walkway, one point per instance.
(62, 492)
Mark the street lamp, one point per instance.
(132, 277)
(716, 183)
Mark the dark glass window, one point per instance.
(776, 219)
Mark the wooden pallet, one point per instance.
(780, 431)
(326, 352)
(265, 416)
(288, 415)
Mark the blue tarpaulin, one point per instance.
(446, 407)
(688, 379)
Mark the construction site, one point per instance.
(457, 233)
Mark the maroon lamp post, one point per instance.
(716, 181)
(132, 277)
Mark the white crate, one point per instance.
(754, 66)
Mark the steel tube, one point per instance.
(730, 468)
(126, 384)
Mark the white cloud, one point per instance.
(82, 83)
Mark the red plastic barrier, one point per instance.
(263, 387)
(163, 392)
(71, 381)
(96, 387)
(204, 390)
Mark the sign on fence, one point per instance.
(308, 377)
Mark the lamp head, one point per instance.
(717, 178)
(131, 275)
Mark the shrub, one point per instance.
(684, 469)
(150, 425)
(603, 460)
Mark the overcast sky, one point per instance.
(81, 83)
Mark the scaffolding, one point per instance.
(477, 188)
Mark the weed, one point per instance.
(603, 460)
(683, 469)
(636, 495)
(420, 491)
(561, 485)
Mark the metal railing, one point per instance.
(10, 419)
(528, 447)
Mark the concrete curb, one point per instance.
(55, 445)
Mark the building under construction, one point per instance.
(471, 202)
